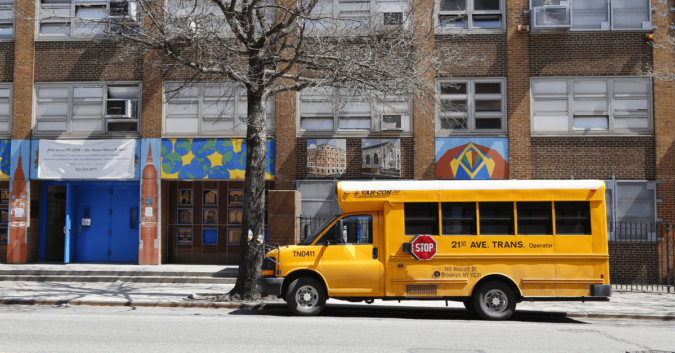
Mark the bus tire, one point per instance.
(470, 307)
(306, 297)
(495, 301)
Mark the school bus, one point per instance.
(497, 243)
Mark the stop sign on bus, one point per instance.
(424, 247)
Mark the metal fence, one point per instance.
(641, 254)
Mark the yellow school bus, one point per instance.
(488, 244)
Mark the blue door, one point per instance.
(110, 232)
(93, 241)
(70, 228)
(125, 223)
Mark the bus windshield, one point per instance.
(314, 235)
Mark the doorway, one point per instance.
(90, 221)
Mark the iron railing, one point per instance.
(641, 254)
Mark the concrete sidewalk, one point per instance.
(629, 305)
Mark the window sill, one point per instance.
(475, 134)
(447, 31)
(354, 134)
(84, 137)
(648, 134)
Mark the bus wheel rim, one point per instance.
(307, 297)
(495, 301)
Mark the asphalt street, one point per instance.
(341, 328)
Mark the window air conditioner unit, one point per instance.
(122, 125)
(392, 18)
(119, 109)
(550, 16)
(124, 10)
(392, 122)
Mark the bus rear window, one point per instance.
(535, 218)
(421, 218)
(496, 218)
(459, 218)
(572, 217)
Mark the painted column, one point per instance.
(18, 203)
(150, 183)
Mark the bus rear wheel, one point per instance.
(495, 301)
(306, 297)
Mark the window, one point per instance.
(459, 218)
(210, 236)
(496, 218)
(631, 209)
(535, 218)
(357, 14)
(472, 106)
(572, 218)
(209, 109)
(69, 19)
(6, 19)
(603, 15)
(591, 106)
(5, 108)
(421, 218)
(327, 110)
(472, 15)
(83, 109)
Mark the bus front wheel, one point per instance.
(306, 297)
(495, 301)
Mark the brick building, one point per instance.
(559, 99)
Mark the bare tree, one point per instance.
(267, 47)
(665, 70)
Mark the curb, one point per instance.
(140, 303)
(276, 306)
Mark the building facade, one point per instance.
(557, 94)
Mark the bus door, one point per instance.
(351, 259)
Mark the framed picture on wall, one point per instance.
(185, 197)
(235, 197)
(184, 216)
(233, 236)
(210, 217)
(184, 236)
(235, 216)
(210, 197)
(3, 235)
(4, 197)
(4, 216)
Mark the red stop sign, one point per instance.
(424, 247)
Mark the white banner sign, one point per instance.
(86, 159)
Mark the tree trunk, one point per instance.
(254, 200)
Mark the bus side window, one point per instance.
(459, 218)
(421, 218)
(572, 217)
(535, 218)
(359, 229)
(496, 218)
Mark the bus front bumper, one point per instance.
(270, 286)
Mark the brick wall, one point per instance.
(6, 62)
(628, 158)
(588, 54)
(24, 65)
(489, 51)
(664, 114)
(518, 90)
(85, 61)
(33, 246)
(633, 262)
(286, 145)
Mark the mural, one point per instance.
(472, 158)
(209, 159)
(326, 158)
(5, 157)
(380, 158)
